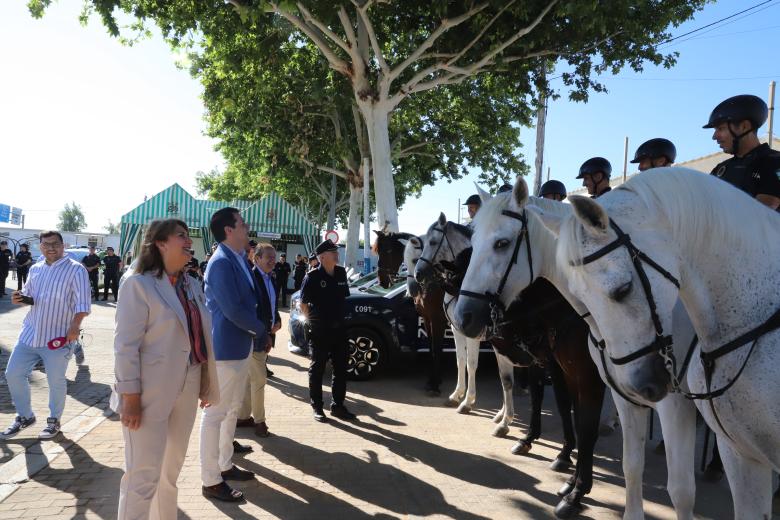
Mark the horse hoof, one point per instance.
(464, 409)
(451, 402)
(521, 448)
(566, 509)
(561, 466)
(565, 489)
(501, 430)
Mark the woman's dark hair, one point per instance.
(150, 258)
(220, 219)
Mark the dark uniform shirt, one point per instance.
(757, 172)
(608, 188)
(5, 258)
(91, 260)
(325, 295)
(22, 257)
(112, 264)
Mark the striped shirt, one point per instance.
(59, 291)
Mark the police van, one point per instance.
(382, 324)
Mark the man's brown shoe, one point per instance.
(261, 430)
(245, 423)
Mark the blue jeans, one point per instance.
(20, 365)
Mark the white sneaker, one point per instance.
(52, 429)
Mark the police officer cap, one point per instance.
(595, 165)
(325, 246)
(505, 188)
(553, 188)
(474, 199)
(654, 148)
(739, 108)
(312, 256)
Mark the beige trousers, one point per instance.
(154, 455)
(254, 397)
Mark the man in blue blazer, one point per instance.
(232, 297)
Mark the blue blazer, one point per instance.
(233, 304)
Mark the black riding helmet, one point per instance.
(553, 188)
(473, 199)
(595, 165)
(654, 148)
(739, 108)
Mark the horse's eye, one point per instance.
(501, 243)
(621, 292)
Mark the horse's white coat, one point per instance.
(724, 247)
(467, 349)
(677, 413)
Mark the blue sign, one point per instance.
(16, 216)
(5, 213)
(366, 265)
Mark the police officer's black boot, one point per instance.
(319, 414)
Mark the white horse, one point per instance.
(497, 232)
(724, 248)
(439, 248)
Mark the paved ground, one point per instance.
(407, 457)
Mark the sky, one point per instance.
(86, 119)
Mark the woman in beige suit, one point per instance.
(163, 364)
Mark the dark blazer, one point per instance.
(264, 309)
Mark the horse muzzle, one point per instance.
(651, 380)
(472, 316)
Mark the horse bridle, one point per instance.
(497, 307)
(438, 247)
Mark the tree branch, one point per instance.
(346, 23)
(327, 169)
(335, 62)
(307, 16)
(445, 26)
(480, 35)
(380, 58)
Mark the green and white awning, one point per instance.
(270, 217)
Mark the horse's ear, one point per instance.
(415, 241)
(520, 192)
(442, 219)
(550, 221)
(483, 195)
(592, 215)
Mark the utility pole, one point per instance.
(332, 204)
(541, 120)
(771, 111)
(625, 158)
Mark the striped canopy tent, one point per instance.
(268, 217)
(272, 216)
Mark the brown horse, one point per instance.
(428, 300)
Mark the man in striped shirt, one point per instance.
(59, 294)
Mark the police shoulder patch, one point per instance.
(323, 283)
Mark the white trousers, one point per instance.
(218, 422)
(154, 455)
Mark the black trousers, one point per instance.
(282, 294)
(327, 342)
(3, 276)
(110, 280)
(93, 281)
(21, 277)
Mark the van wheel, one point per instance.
(365, 353)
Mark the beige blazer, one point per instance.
(152, 345)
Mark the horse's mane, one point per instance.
(391, 235)
(491, 210)
(701, 209)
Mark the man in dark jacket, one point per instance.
(282, 272)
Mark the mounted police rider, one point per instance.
(595, 173)
(655, 153)
(553, 190)
(755, 167)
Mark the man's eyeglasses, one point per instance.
(51, 245)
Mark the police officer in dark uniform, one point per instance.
(313, 263)
(92, 263)
(553, 190)
(595, 174)
(5, 265)
(655, 153)
(112, 264)
(755, 167)
(323, 293)
(23, 262)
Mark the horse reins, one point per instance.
(497, 308)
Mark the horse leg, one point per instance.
(436, 336)
(460, 355)
(563, 401)
(536, 390)
(750, 482)
(472, 359)
(678, 423)
(589, 397)
(504, 417)
(633, 421)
